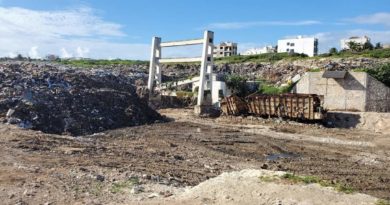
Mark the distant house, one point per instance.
(225, 49)
(308, 46)
(346, 91)
(255, 51)
(358, 40)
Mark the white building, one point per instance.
(255, 51)
(225, 49)
(359, 40)
(308, 46)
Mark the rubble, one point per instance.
(60, 100)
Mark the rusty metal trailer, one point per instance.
(292, 106)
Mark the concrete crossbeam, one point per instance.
(179, 60)
(182, 43)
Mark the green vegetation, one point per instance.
(368, 51)
(266, 57)
(382, 202)
(237, 84)
(96, 188)
(381, 73)
(121, 186)
(315, 70)
(292, 178)
(90, 62)
(266, 88)
(311, 179)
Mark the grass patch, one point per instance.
(265, 57)
(382, 202)
(269, 89)
(97, 188)
(273, 57)
(85, 63)
(315, 70)
(119, 187)
(312, 179)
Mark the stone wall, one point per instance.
(378, 96)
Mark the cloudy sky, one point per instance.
(123, 29)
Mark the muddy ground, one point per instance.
(138, 163)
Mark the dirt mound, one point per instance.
(67, 101)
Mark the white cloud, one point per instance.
(65, 53)
(66, 33)
(377, 18)
(82, 52)
(241, 25)
(33, 53)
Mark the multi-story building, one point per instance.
(255, 51)
(308, 46)
(358, 40)
(225, 49)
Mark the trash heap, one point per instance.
(68, 101)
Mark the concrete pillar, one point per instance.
(154, 63)
(206, 65)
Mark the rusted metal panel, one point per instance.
(233, 105)
(292, 106)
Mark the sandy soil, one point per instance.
(158, 162)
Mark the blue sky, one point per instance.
(123, 29)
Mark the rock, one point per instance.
(153, 195)
(137, 189)
(100, 178)
(10, 112)
(178, 157)
(264, 166)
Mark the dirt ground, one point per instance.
(136, 164)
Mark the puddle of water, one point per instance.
(273, 157)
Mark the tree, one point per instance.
(237, 84)
(333, 51)
(353, 46)
(378, 45)
(368, 46)
(19, 57)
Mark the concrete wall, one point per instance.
(339, 94)
(378, 96)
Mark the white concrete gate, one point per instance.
(207, 62)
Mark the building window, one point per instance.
(292, 50)
(288, 43)
(292, 44)
(287, 50)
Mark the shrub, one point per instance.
(381, 73)
(237, 84)
(269, 89)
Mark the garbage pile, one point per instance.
(69, 101)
